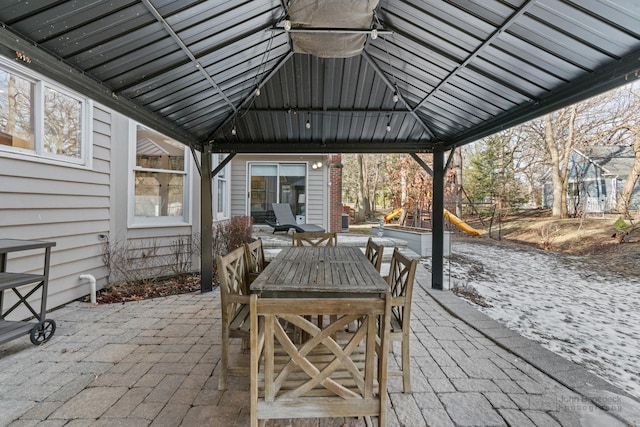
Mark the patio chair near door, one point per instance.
(314, 239)
(286, 221)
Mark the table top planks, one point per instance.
(341, 271)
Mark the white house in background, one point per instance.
(77, 173)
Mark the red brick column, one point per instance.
(335, 193)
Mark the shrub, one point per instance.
(230, 235)
(143, 262)
(131, 263)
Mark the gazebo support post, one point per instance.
(206, 222)
(437, 219)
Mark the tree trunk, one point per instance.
(559, 151)
(456, 165)
(556, 178)
(632, 178)
(363, 197)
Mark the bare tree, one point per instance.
(560, 132)
(363, 194)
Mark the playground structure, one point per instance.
(391, 215)
(453, 219)
(461, 224)
(414, 203)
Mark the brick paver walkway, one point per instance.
(155, 363)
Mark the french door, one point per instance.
(277, 183)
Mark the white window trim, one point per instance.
(134, 221)
(226, 212)
(85, 161)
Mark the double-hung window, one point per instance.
(42, 120)
(159, 179)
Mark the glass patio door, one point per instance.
(277, 183)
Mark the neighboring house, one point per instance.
(77, 173)
(597, 176)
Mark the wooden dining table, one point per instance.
(320, 272)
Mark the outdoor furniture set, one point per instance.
(319, 320)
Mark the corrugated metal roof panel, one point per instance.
(463, 68)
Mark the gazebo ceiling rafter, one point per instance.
(187, 51)
(479, 49)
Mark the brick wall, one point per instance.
(335, 193)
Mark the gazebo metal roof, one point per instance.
(462, 69)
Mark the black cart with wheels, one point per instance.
(43, 329)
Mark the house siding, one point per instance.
(80, 208)
(317, 179)
(69, 205)
(140, 237)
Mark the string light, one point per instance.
(287, 25)
(257, 91)
(308, 123)
(395, 97)
(389, 126)
(374, 34)
(233, 131)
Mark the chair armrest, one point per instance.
(238, 299)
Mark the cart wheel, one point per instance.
(43, 331)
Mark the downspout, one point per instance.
(92, 283)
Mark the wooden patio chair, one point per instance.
(254, 255)
(323, 376)
(314, 239)
(402, 273)
(234, 296)
(374, 252)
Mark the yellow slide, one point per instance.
(388, 217)
(461, 224)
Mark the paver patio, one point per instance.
(155, 363)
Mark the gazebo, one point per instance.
(302, 76)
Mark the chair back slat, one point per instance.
(234, 296)
(254, 255)
(402, 273)
(232, 275)
(314, 239)
(374, 252)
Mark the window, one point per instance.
(62, 124)
(221, 190)
(159, 178)
(38, 118)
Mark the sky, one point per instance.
(568, 304)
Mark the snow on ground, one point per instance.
(569, 305)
